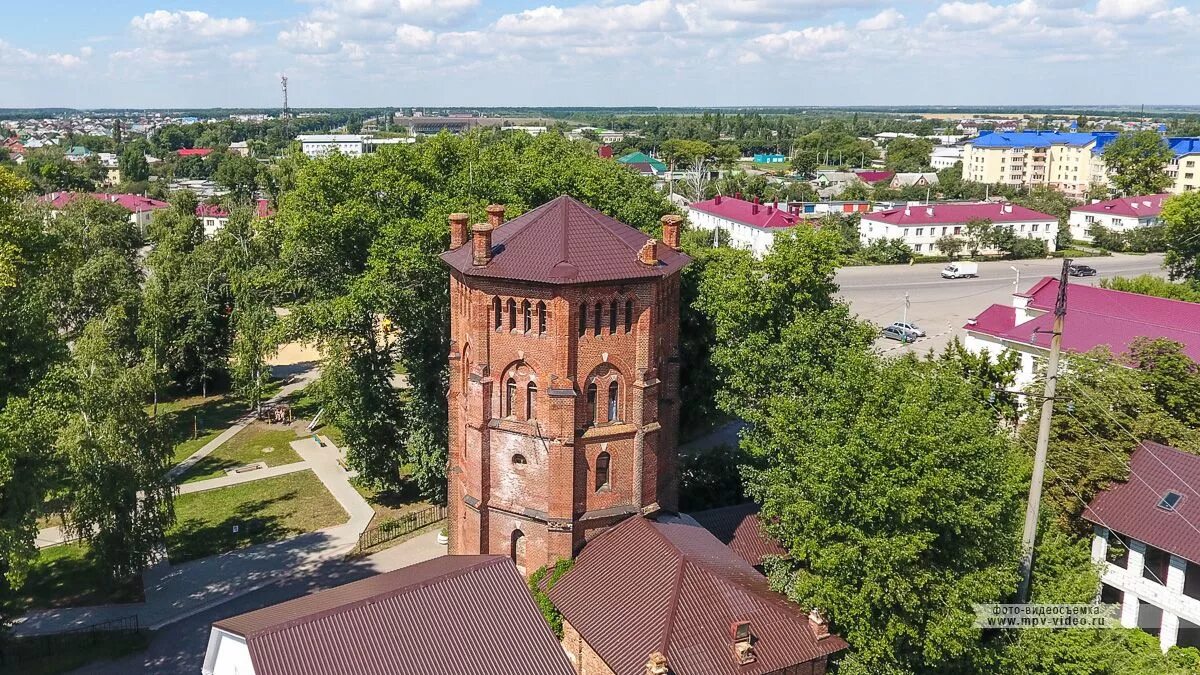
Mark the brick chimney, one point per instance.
(818, 624)
(717, 200)
(657, 665)
(754, 207)
(482, 244)
(648, 255)
(670, 230)
(458, 230)
(495, 215)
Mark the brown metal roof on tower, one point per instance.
(566, 242)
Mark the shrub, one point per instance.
(550, 576)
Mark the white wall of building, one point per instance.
(1082, 221)
(227, 655)
(741, 235)
(922, 237)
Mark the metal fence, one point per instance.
(398, 527)
(51, 646)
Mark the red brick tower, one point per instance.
(564, 378)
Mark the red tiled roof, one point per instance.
(1131, 508)
(670, 586)
(1138, 207)
(454, 615)
(769, 216)
(644, 168)
(134, 203)
(874, 176)
(194, 152)
(262, 209)
(958, 213)
(1096, 317)
(738, 528)
(566, 242)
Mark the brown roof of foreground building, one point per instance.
(566, 242)
(738, 528)
(669, 586)
(454, 615)
(1132, 508)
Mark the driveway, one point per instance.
(942, 306)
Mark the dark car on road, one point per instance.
(1081, 271)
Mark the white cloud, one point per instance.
(414, 37)
(608, 20)
(310, 37)
(188, 27)
(885, 20)
(807, 42)
(1123, 10)
(969, 13)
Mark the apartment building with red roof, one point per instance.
(748, 224)
(1119, 215)
(1096, 317)
(1146, 543)
(140, 207)
(920, 226)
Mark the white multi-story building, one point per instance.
(944, 157)
(319, 145)
(920, 226)
(1119, 215)
(748, 224)
(1148, 548)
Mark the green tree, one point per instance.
(908, 154)
(1138, 163)
(1146, 284)
(239, 175)
(979, 232)
(133, 164)
(1181, 215)
(1103, 237)
(805, 162)
(950, 245)
(897, 497)
(115, 457)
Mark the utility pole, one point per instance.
(287, 116)
(905, 306)
(1043, 438)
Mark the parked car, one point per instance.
(912, 328)
(894, 333)
(1081, 271)
(958, 270)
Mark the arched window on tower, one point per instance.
(613, 390)
(531, 401)
(518, 550)
(541, 309)
(527, 314)
(496, 311)
(628, 315)
(612, 318)
(582, 319)
(602, 461)
(510, 395)
(598, 319)
(591, 403)
(512, 314)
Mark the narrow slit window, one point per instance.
(582, 320)
(496, 310)
(598, 319)
(602, 461)
(613, 390)
(512, 314)
(527, 314)
(612, 318)
(591, 403)
(531, 401)
(541, 309)
(628, 316)
(510, 394)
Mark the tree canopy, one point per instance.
(1138, 163)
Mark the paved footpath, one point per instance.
(175, 592)
(245, 477)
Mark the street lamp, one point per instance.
(1017, 283)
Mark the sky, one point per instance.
(230, 53)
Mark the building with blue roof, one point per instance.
(1070, 162)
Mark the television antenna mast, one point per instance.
(286, 113)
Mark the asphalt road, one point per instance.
(942, 306)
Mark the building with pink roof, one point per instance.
(921, 225)
(194, 152)
(215, 216)
(140, 207)
(1096, 317)
(1120, 215)
(749, 224)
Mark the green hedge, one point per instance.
(541, 592)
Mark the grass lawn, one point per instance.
(264, 510)
(259, 442)
(193, 421)
(67, 575)
(390, 504)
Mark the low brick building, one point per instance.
(564, 378)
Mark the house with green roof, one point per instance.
(643, 163)
(78, 153)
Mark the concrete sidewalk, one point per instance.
(177, 592)
(239, 478)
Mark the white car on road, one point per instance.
(910, 328)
